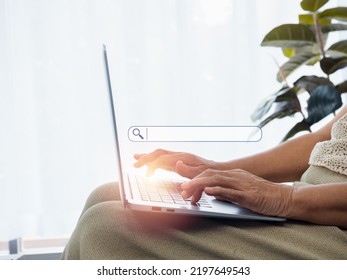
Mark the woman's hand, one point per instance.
(185, 164)
(243, 188)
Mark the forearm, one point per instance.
(287, 161)
(321, 204)
(284, 163)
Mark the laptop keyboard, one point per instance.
(165, 191)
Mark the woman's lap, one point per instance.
(106, 230)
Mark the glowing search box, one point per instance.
(194, 133)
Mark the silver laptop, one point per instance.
(152, 195)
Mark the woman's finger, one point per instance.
(190, 187)
(226, 194)
(166, 162)
(188, 171)
(143, 159)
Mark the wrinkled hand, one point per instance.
(243, 188)
(185, 164)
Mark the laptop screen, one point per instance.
(114, 123)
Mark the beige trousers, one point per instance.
(106, 230)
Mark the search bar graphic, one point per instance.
(195, 133)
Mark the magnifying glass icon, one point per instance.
(137, 132)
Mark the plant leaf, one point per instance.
(301, 126)
(312, 5)
(338, 49)
(290, 36)
(282, 109)
(263, 108)
(286, 104)
(295, 62)
(286, 93)
(339, 13)
(288, 52)
(324, 100)
(310, 83)
(290, 96)
(342, 87)
(331, 65)
(266, 104)
(334, 27)
(309, 19)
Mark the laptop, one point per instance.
(141, 193)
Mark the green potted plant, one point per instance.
(305, 43)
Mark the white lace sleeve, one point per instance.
(332, 154)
